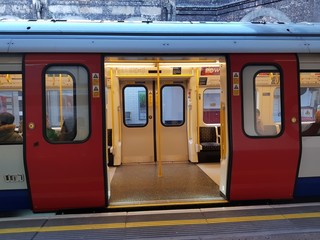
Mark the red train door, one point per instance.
(264, 125)
(64, 131)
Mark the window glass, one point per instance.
(277, 106)
(67, 104)
(262, 101)
(310, 103)
(11, 112)
(172, 105)
(211, 105)
(135, 106)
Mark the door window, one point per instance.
(310, 103)
(67, 104)
(262, 100)
(211, 105)
(11, 112)
(135, 106)
(172, 105)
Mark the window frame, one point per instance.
(124, 107)
(22, 99)
(263, 69)
(304, 129)
(75, 106)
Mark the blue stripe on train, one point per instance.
(308, 187)
(14, 199)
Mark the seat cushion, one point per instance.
(210, 146)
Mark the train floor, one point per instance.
(180, 183)
(273, 222)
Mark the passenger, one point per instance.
(67, 130)
(314, 128)
(7, 128)
(259, 124)
(51, 134)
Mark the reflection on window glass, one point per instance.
(67, 114)
(268, 89)
(135, 106)
(172, 105)
(262, 101)
(11, 108)
(211, 106)
(277, 106)
(310, 103)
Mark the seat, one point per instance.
(208, 138)
(270, 130)
(210, 147)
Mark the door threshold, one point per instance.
(159, 204)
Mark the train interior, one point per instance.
(164, 131)
(166, 124)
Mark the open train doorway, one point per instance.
(167, 130)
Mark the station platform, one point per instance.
(282, 221)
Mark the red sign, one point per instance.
(205, 71)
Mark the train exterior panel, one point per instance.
(68, 173)
(14, 192)
(91, 100)
(259, 163)
(158, 38)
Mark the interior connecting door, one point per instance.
(137, 121)
(141, 130)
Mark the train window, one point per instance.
(310, 103)
(67, 104)
(11, 108)
(211, 105)
(135, 106)
(262, 100)
(172, 105)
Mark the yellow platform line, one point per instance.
(161, 223)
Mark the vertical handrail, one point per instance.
(119, 124)
(198, 105)
(223, 131)
(112, 105)
(61, 99)
(189, 113)
(158, 123)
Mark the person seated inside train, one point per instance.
(259, 124)
(68, 132)
(314, 128)
(7, 129)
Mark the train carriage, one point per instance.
(156, 114)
